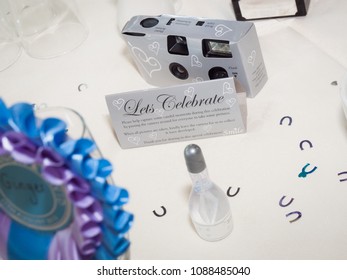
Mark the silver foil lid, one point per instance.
(194, 158)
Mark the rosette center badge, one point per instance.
(30, 200)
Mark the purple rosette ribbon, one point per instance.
(19, 147)
(86, 232)
(5, 224)
(63, 246)
(99, 223)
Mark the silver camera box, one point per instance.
(170, 50)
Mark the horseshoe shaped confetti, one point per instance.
(304, 173)
(234, 194)
(288, 203)
(285, 204)
(162, 214)
(297, 213)
(290, 120)
(342, 173)
(305, 142)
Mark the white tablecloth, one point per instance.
(303, 57)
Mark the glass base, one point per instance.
(64, 39)
(9, 53)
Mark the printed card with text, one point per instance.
(178, 113)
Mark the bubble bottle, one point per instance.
(208, 205)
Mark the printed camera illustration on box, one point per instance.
(171, 50)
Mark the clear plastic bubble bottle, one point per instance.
(208, 205)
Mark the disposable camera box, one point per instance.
(266, 9)
(170, 50)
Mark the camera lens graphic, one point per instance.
(217, 73)
(149, 22)
(178, 71)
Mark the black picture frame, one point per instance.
(302, 10)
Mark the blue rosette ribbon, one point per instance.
(99, 225)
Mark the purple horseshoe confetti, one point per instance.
(298, 216)
(305, 142)
(290, 120)
(285, 204)
(342, 173)
(232, 195)
(160, 215)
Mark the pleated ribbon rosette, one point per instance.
(56, 201)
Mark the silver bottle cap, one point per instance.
(194, 158)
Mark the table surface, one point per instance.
(303, 56)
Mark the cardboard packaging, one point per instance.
(170, 50)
